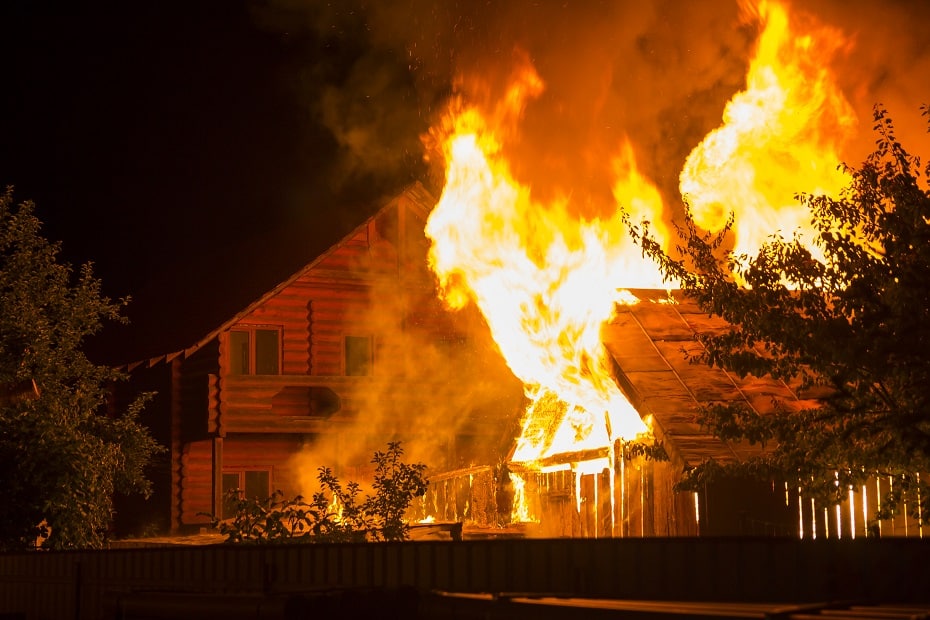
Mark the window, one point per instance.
(251, 484)
(255, 351)
(358, 356)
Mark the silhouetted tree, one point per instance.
(62, 455)
(852, 327)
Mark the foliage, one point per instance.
(396, 484)
(335, 513)
(62, 455)
(651, 450)
(852, 329)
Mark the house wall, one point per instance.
(371, 284)
(195, 483)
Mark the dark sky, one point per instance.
(200, 151)
(178, 145)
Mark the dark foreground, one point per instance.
(538, 579)
(409, 604)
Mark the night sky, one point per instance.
(199, 152)
(179, 146)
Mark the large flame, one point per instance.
(780, 136)
(544, 279)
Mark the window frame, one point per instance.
(240, 473)
(252, 331)
(370, 364)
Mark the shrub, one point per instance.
(334, 513)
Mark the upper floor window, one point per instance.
(255, 351)
(358, 356)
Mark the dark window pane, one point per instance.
(358, 356)
(266, 352)
(256, 484)
(230, 483)
(239, 353)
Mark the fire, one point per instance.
(544, 279)
(781, 135)
(521, 505)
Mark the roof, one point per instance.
(415, 196)
(650, 343)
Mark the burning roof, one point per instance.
(547, 265)
(649, 342)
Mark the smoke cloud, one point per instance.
(658, 72)
(438, 385)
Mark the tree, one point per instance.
(62, 454)
(852, 327)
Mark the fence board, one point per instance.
(46, 585)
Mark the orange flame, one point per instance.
(545, 280)
(780, 136)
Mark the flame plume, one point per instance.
(545, 280)
(782, 135)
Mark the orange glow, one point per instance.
(780, 136)
(521, 513)
(544, 279)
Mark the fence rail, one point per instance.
(76, 585)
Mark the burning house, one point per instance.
(355, 350)
(512, 335)
(352, 351)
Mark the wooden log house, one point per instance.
(355, 350)
(352, 351)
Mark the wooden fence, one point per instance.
(80, 585)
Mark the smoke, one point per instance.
(438, 385)
(658, 72)
(378, 75)
(887, 64)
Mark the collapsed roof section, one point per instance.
(650, 343)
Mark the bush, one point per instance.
(334, 514)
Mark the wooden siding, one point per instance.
(288, 311)
(265, 452)
(247, 403)
(192, 392)
(335, 313)
(196, 482)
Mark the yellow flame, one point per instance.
(544, 280)
(521, 511)
(335, 509)
(780, 136)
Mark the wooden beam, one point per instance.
(217, 476)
